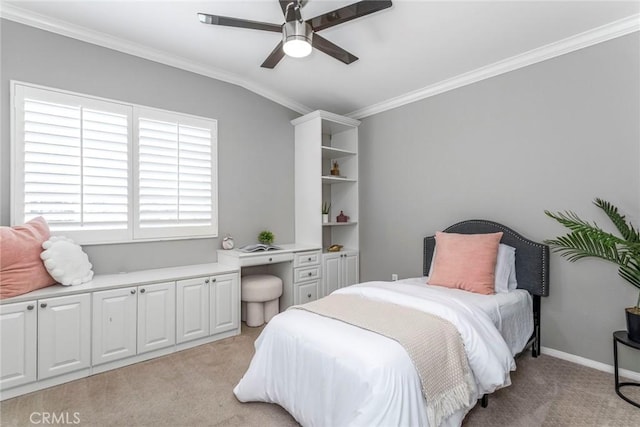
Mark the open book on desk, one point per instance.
(259, 247)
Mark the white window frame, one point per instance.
(133, 233)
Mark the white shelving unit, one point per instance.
(322, 138)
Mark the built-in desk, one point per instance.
(297, 265)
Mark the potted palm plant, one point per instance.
(587, 240)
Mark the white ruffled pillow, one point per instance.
(66, 262)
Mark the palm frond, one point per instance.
(588, 240)
(578, 245)
(631, 274)
(577, 225)
(572, 221)
(628, 232)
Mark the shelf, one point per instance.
(327, 179)
(335, 153)
(321, 140)
(341, 251)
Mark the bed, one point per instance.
(325, 372)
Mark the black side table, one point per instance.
(623, 338)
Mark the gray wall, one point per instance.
(553, 136)
(255, 138)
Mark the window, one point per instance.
(175, 174)
(102, 171)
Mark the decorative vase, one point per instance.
(633, 323)
(325, 218)
(335, 170)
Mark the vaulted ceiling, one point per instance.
(408, 51)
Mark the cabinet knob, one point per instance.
(310, 274)
(308, 295)
(30, 307)
(43, 305)
(213, 280)
(270, 259)
(133, 291)
(206, 280)
(143, 290)
(309, 258)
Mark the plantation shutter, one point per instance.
(52, 163)
(75, 157)
(102, 171)
(176, 175)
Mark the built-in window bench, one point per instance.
(62, 333)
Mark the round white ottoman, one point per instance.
(260, 295)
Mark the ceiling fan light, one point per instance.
(297, 39)
(297, 48)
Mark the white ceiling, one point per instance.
(406, 49)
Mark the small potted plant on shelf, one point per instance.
(266, 237)
(325, 212)
(588, 240)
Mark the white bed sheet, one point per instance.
(328, 373)
(511, 312)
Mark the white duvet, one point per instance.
(328, 373)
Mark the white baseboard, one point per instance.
(632, 375)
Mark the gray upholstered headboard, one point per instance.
(532, 258)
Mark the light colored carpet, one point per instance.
(194, 388)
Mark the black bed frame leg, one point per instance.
(535, 348)
(484, 401)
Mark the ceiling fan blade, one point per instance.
(331, 49)
(274, 57)
(347, 13)
(240, 23)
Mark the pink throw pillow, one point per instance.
(466, 261)
(21, 269)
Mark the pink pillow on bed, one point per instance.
(466, 261)
(21, 269)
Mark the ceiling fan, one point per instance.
(298, 35)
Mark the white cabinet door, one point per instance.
(114, 317)
(350, 269)
(225, 303)
(156, 316)
(331, 272)
(339, 269)
(192, 320)
(18, 328)
(64, 335)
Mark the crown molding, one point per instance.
(579, 41)
(22, 16)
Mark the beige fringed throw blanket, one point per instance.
(433, 344)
